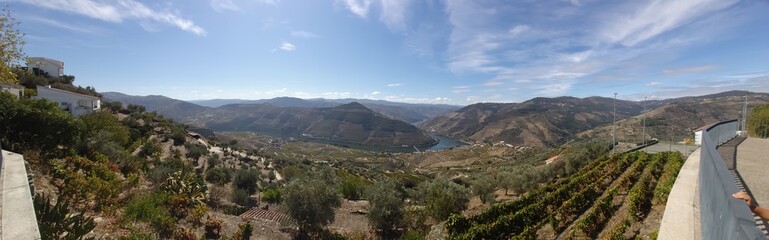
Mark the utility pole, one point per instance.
(643, 123)
(613, 128)
(744, 116)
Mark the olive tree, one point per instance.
(310, 200)
(442, 197)
(484, 187)
(385, 206)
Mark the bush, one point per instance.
(218, 175)
(311, 200)
(758, 123)
(105, 121)
(484, 187)
(195, 151)
(30, 124)
(149, 208)
(386, 207)
(240, 197)
(442, 197)
(351, 189)
(271, 196)
(247, 180)
(150, 148)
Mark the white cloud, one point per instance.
(66, 26)
(358, 7)
(654, 84)
(303, 34)
(118, 11)
(518, 29)
(689, 70)
(269, 2)
(375, 93)
(222, 5)
(336, 94)
(394, 14)
(286, 46)
(657, 17)
(394, 84)
(276, 91)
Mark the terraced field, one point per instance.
(602, 200)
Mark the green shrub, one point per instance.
(247, 180)
(218, 176)
(149, 208)
(240, 196)
(271, 195)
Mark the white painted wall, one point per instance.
(77, 104)
(53, 67)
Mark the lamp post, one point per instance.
(613, 127)
(643, 123)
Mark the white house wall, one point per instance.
(75, 103)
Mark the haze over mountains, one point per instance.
(536, 122)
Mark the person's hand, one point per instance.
(744, 196)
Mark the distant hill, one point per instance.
(554, 121)
(169, 107)
(536, 122)
(350, 123)
(407, 112)
(677, 118)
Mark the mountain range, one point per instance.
(544, 122)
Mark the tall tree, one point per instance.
(11, 44)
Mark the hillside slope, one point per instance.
(677, 119)
(350, 123)
(537, 122)
(169, 107)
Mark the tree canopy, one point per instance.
(758, 123)
(11, 44)
(311, 199)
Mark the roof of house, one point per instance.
(57, 62)
(65, 91)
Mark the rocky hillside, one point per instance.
(350, 123)
(537, 122)
(169, 107)
(677, 119)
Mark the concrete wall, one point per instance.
(18, 212)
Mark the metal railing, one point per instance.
(721, 216)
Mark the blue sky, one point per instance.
(422, 51)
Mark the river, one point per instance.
(443, 142)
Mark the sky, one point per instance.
(419, 51)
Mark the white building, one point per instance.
(75, 103)
(43, 66)
(15, 90)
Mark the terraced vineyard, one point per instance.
(602, 200)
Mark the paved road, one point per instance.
(753, 165)
(666, 146)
